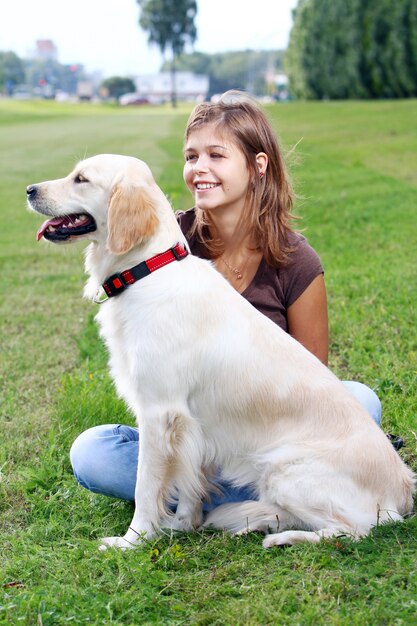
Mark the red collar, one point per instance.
(117, 283)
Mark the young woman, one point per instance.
(242, 221)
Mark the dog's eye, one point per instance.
(80, 179)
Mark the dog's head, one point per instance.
(108, 199)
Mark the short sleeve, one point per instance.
(303, 266)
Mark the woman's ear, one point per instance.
(131, 217)
(262, 161)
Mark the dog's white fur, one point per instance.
(214, 383)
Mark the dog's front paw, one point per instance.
(115, 542)
(130, 540)
(182, 523)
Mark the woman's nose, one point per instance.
(200, 164)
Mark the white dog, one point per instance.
(214, 383)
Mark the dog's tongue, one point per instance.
(55, 222)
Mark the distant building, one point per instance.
(157, 87)
(46, 50)
(277, 84)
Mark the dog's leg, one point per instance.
(292, 537)
(192, 478)
(170, 456)
(155, 470)
(189, 514)
(326, 502)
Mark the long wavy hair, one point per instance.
(268, 209)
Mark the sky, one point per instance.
(104, 35)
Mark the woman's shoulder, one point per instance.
(299, 248)
(302, 266)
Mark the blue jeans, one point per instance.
(105, 458)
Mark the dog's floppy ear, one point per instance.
(131, 217)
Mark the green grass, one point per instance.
(355, 169)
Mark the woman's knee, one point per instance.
(104, 460)
(90, 445)
(367, 398)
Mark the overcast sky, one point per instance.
(104, 35)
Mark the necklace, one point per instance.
(238, 273)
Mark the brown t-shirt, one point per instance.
(273, 289)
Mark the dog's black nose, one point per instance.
(31, 190)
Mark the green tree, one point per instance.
(12, 71)
(323, 55)
(116, 86)
(170, 25)
(295, 53)
(388, 66)
(353, 49)
(53, 76)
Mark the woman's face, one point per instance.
(215, 170)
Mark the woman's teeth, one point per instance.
(206, 185)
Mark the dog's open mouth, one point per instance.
(62, 228)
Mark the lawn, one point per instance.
(355, 171)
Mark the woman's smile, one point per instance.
(205, 186)
(215, 170)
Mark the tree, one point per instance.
(170, 25)
(11, 71)
(353, 49)
(49, 76)
(43, 77)
(118, 85)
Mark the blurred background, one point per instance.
(134, 52)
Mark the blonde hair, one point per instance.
(270, 198)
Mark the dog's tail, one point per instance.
(248, 516)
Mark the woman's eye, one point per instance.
(216, 155)
(80, 179)
(190, 157)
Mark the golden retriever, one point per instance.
(214, 383)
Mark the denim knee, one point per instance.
(104, 460)
(367, 398)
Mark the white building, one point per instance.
(157, 88)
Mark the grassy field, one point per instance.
(355, 170)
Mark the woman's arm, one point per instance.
(307, 319)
